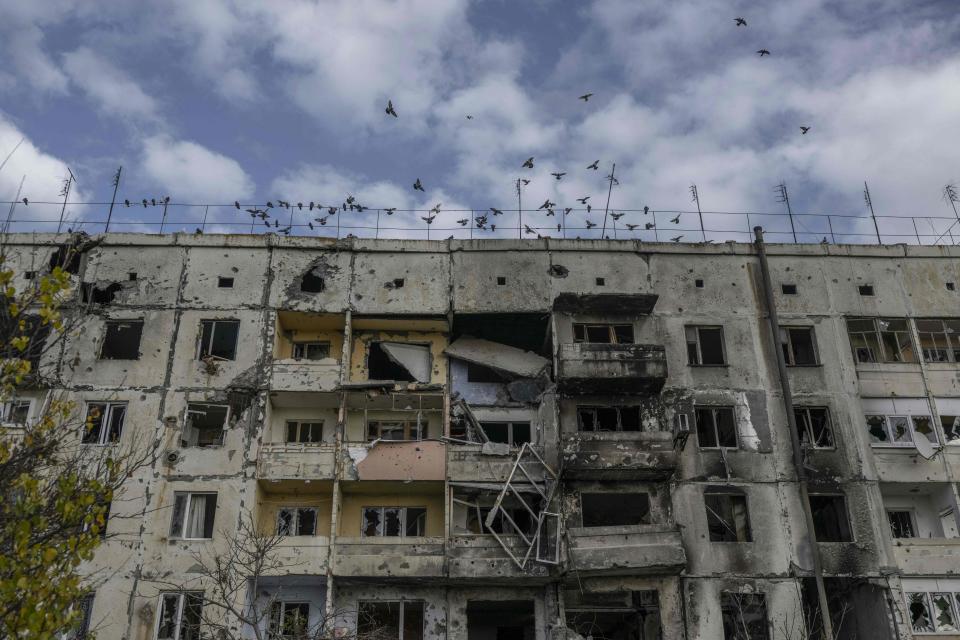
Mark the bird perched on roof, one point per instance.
(300, 206)
(589, 208)
(677, 239)
(331, 211)
(585, 97)
(594, 166)
(153, 202)
(390, 110)
(310, 224)
(547, 204)
(311, 205)
(675, 220)
(591, 225)
(528, 163)
(496, 211)
(803, 130)
(558, 174)
(144, 203)
(763, 52)
(741, 22)
(283, 204)
(583, 200)
(417, 186)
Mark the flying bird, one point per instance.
(428, 219)
(583, 200)
(469, 117)
(390, 110)
(390, 211)
(528, 229)
(741, 22)
(528, 164)
(803, 130)
(567, 210)
(616, 216)
(496, 211)
(558, 174)
(675, 220)
(463, 222)
(524, 181)
(594, 166)
(585, 97)
(677, 239)
(591, 225)
(763, 52)
(547, 204)
(332, 210)
(632, 226)
(649, 226)
(550, 212)
(417, 186)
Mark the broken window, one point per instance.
(81, 628)
(933, 612)
(881, 340)
(609, 418)
(289, 620)
(15, 411)
(616, 616)
(512, 433)
(744, 616)
(501, 620)
(727, 517)
(297, 521)
(311, 350)
(121, 340)
(939, 340)
(799, 348)
(193, 515)
(396, 430)
(716, 428)
(902, 523)
(830, 522)
(614, 509)
(603, 333)
(204, 425)
(180, 615)
(900, 431)
(393, 620)
(104, 422)
(394, 522)
(304, 432)
(399, 361)
(218, 339)
(813, 423)
(311, 282)
(951, 428)
(89, 292)
(705, 346)
(67, 258)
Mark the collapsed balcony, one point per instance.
(307, 351)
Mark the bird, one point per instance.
(591, 225)
(528, 164)
(558, 174)
(390, 110)
(763, 52)
(300, 205)
(589, 208)
(583, 200)
(616, 216)
(26, 202)
(390, 211)
(198, 232)
(649, 226)
(524, 181)
(144, 203)
(550, 212)
(166, 199)
(585, 97)
(567, 210)
(332, 210)
(153, 202)
(803, 130)
(632, 226)
(528, 229)
(311, 205)
(469, 117)
(463, 222)
(283, 204)
(310, 224)
(676, 239)
(417, 186)
(547, 204)
(496, 211)
(269, 205)
(322, 221)
(741, 22)
(493, 227)
(594, 166)
(436, 208)
(675, 220)
(646, 210)
(428, 219)
(126, 202)
(236, 203)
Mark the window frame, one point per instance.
(911, 516)
(846, 517)
(586, 496)
(403, 521)
(300, 424)
(877, 333)
(275, 622)
(891, 442)
(203, 350)
(188, 423)
(295, 521)
(953, 596)
(950, 337)
(186, 514)
(510, 430)
(409, 427)
(725, 608)
(402, 603)
(714, 409)
(807, 425)
(697, 344)
(103, 435)
(305, 345)
(106, 332)
(9, 408)
(583, 328)
(618, 408)
(789, 353)
(182, 597)
(81, 629)
(729, 494)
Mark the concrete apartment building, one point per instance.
(519, 440)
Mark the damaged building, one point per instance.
(521, 440)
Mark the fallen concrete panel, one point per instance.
(415, 358)
(499, 357)
(622, 304)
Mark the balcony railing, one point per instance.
(296, 462)
(611, 368)
(636, 550)
(389, 558)
(634, 455)
(926, 556)
(305, 375)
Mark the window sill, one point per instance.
(817, 365)
(175, 540)
(708, 366)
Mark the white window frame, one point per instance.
(304, 348)
(808, 426)
(891, 443)
(693, 330)
(186, 513)
(7, 410)
(403, 520)
(295, 521)
(213, 333)
(952, 596)
(223, 427)
(103, 437)
(952, 339)
(300, 424)
(181, 601)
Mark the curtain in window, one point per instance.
(197, 516)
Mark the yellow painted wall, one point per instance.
(437, 341)
(351, 513)
(284, 348)
(271, 504)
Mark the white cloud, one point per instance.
(189, 171)
(110, 88)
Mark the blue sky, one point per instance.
(211, 101)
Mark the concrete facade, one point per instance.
(634, 554)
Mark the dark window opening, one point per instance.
(601, 282)
(205, 424)
(512, 433)
(15, 411)
(297, 521)
(312, 283)
(225, 283)
(716, 428)
(121, 340)
(614, 509)
(304, 432)
(830, 522)
(382, 365)
(881, 340)
(501, 280)
(132, 276)
(67, 258)
(390, 620)
(865, 289)
(91, 293)
(180, 616)
(609, 418)
(858, 609)
(951, 286)
(193, 515)
(394, 522)
(311, 350)
(728, 519)
(798, 346)
(501, 620)
(398, 283)
(705, 346)
(480, 373)
(29, 275)
(603, 333)
(744, 616)
(901, 523)
(939, 339)
(788, 289)
(288, 620)
(218, 338)
(698, 283)
(813, 423)
(104, 422)
(616, 616)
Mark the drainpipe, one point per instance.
(801, 471)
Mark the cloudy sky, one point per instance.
(212, 101)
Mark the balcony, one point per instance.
(648, 549)
(480, 558)
(278, 462)
(640, 455)
(480, 463)
(304, 375)
(387, 558)
(301, 556)
(927, 556)
(585, 368)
